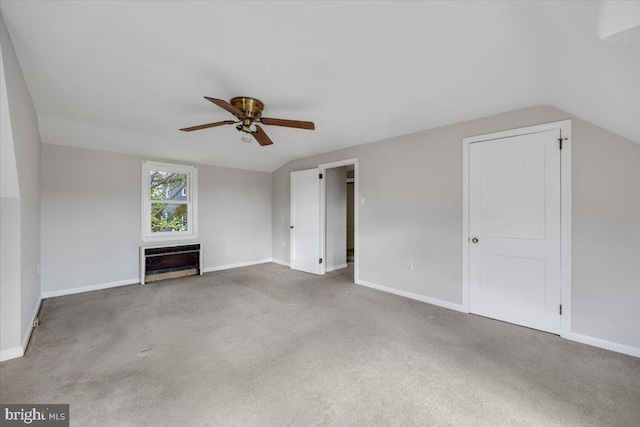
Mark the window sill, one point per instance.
(169, 238)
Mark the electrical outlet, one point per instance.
(38, 269)
(410, 265)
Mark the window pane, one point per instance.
(168, 217)
(168, 186)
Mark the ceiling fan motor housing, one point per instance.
(251, 107)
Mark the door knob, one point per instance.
(474, 240)
(291, 226)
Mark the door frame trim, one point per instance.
(323, 208)
(565, 212)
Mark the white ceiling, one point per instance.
(125, 76)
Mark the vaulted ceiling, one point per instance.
(125, 76)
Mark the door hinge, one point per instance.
(320, 176)
(320, 261)
(560, 309)
(560, 142)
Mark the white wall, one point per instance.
(9, 230)
(26, 147)
(235, 215)
(10, 337)
(91, 207)
(336, 217)
(606, 235)
(413, 190)
(8, 169)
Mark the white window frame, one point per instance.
(192, 202)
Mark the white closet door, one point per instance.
(514, 227)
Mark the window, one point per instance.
(169, 201)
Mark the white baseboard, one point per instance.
(335, 267)
(96, 287)
(18, 351)
(607, 345)
(27, 335)
(81, 289)
(277, 261)
(240, 264)
(11, 353)
(411, 295)
(584, 339)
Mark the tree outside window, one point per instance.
(169, 199)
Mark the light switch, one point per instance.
(362, 201)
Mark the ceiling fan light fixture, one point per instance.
(246, 137)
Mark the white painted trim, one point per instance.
(565, 212)
(336, 267)
(323, 219)
(565, 228)
(192, 215)
(339, 163)
(89, 288)
(18, 351)
(562, 124)
(97, 287)
(607, 345)
(169, 238)
(11, 353)
(356, 210)
(465, 226)
(237, 265)
(279, 261)
(27, 334)
(411, 295)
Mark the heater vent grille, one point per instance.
(164, 262)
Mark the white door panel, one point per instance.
(305, 220)
(513, 280)
(514, 212)
(512, 191)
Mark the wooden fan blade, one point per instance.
(288, 123)
(261, 137)
(209, 125)
(224, 104)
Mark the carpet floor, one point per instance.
(267, 346)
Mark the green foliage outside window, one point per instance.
(168, 217)
(166, 189)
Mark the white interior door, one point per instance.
(514, 228)
(305, 221)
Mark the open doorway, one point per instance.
(350, 214)
(339, 211)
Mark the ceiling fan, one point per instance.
(248, 111)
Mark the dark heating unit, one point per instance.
(164, 262)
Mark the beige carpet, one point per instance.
(266, 346)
